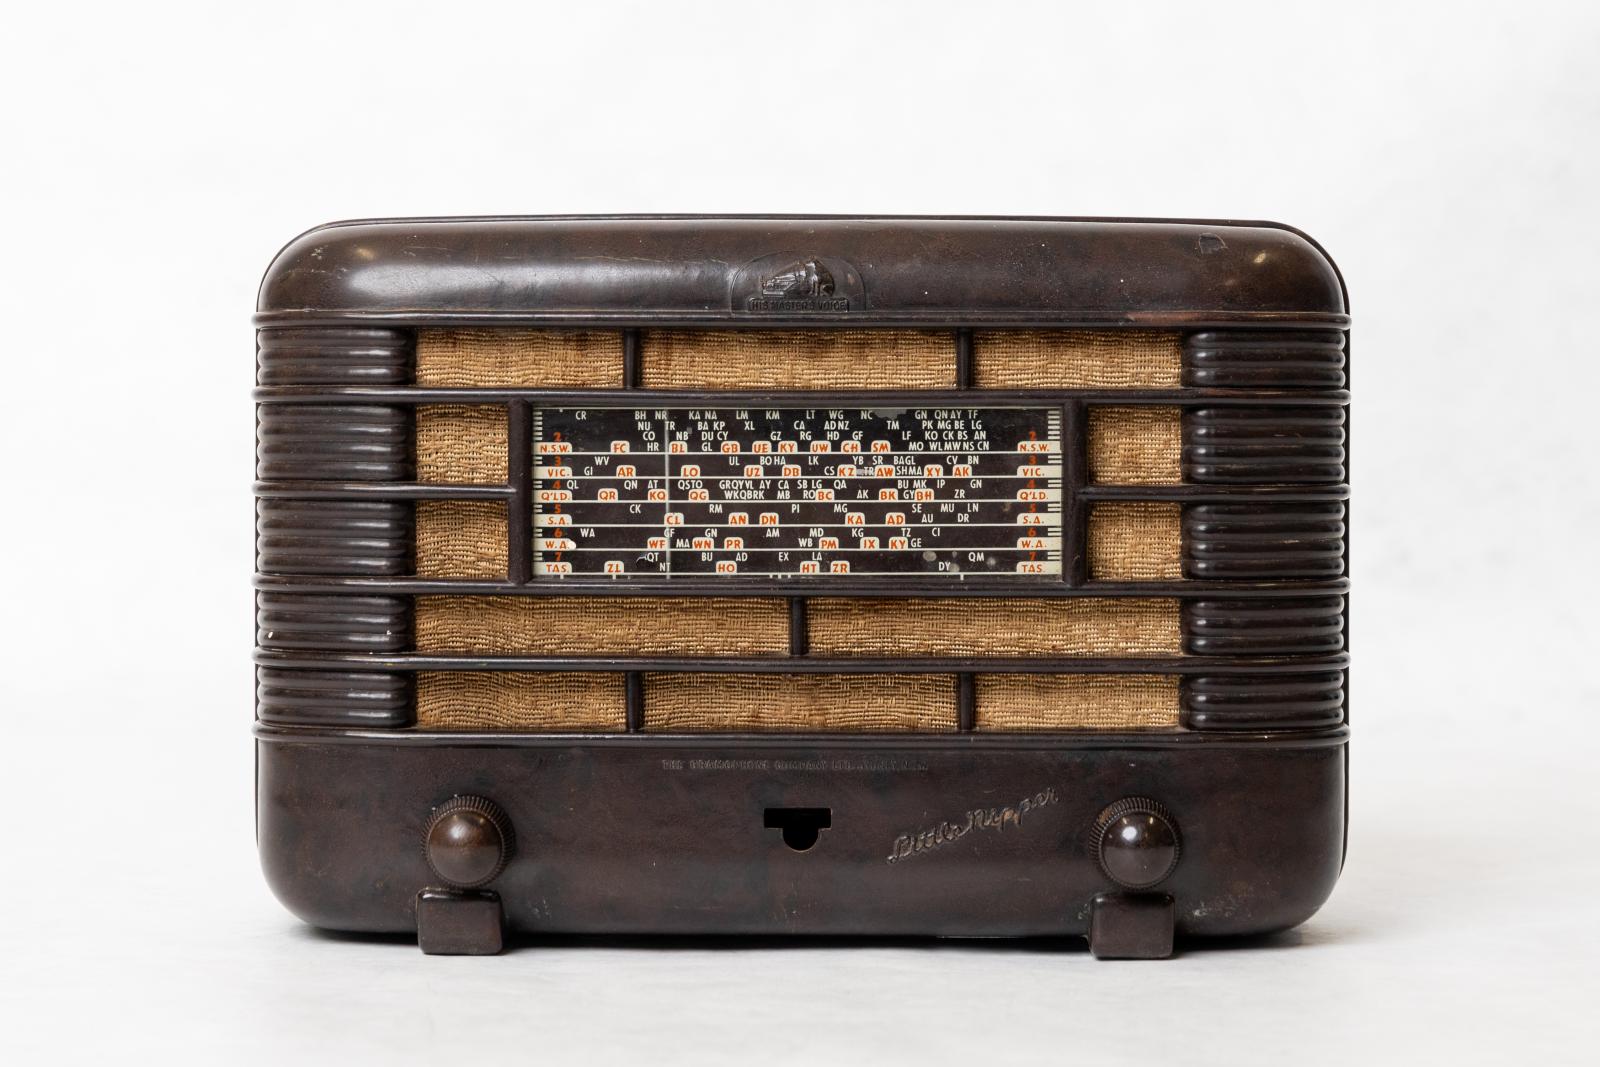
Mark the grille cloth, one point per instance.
(528, 702)
(461, 539)
(797, 359)
(847, 703)
(461, 444)
(1135, 446)
(1135, 541)
(1075, 701)
(518, 358)
(1076, 359)
(851, 703)
(971, 626)
(467, 444)
(559, 625)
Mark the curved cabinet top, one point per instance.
(828, 271)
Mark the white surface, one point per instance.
(158, 155)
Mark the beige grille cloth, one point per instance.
(797, 359)
(846, 703)
(467, 444)
(1135, 541)
(1075, 701)
(1076, 359)
(519, 358)
(1135, 445)
(531, 702)
(461, 444)
(461, 539)
(559, 625)
(976, 626)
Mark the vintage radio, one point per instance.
(900, 576)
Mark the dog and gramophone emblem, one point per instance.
(788, 283)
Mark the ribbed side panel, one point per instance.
(1268, 626)
(333, 698)
(333, 537)
(1265, 701)
(323, 355)
(1256, 359)
(333, 623)
(356, 443)
(1263, 541)
(1242, 446)
(340, 538)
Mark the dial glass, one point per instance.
(788, 492)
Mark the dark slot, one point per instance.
(800, 826)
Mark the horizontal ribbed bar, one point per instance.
(1251, 445)
(1263, 702)
(333, 537)
(333, 698)
(351, 356)
(1290, 626)
(823, 586)
(780, 664)
(1255, 541)
(312, 490)
(624, 398)
(348, 443)
(1264, 359)
(998, 741)
(333, 623)
(1215, 493)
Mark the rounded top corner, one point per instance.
(307, 272)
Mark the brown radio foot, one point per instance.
(459, 923)
(1131, 926)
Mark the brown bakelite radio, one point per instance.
(962, 577)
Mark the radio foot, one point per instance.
(1131, 926)
(459, 923)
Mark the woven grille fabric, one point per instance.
(461, 539)
(1076, 359)
(460, 444)
(518, 358)
(1135, 541)
(797, 359)
(1135, 445)
(976, 626)
(561, 625)
(845, 703)
(529, 702)
(1075, 701)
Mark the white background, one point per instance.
(155, 156)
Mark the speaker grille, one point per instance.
(562, 625)
(1076, 701)
(1126, 445)
(954, 626)
(461, 539)
(796, 359)
(548, 359)
(1076, 359)
(848, 703)
(502, 700)
(1135, 446)
(1135, 541)
(460, 444)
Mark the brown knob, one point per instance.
(468, 841)
(1136, 842)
